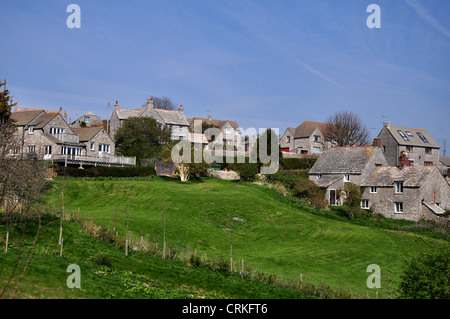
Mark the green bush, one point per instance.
(427, 276)
(298, 163)
(287, 178)
(305, 188)
(103, 171)
(101, 260)
(246, 171)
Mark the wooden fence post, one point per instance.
(6, 244)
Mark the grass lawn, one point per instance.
(270, 234)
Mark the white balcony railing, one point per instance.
(67, 137)
(103, 159)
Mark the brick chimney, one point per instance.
(376, 142)
(404, 161)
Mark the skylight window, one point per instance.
(408, 133)
(422, 137)
(403, 135)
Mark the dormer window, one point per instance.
(31, 130)
(316, 138)
(87, 119)
(288, 139)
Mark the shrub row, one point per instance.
(297, 163)
(103, 171)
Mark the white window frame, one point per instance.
(227, 130)
(346, 178)
(365, 204)
(32, 149)
(47, 150)
(398, 187)
(104, 148)
(316, 150)
(92, 146)
(31, 129)
(317, 138)
(398, 206)
(288, 139)
(87, 119)
(373, 189)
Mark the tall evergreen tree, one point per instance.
(6, 104)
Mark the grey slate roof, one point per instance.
(172, 117)
(411, 176)
(307, 128)
(24, 117)
(343, 160)
(445, 160)
(327, 180)
(165, 116)
(413, 139)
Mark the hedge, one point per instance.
(103, 171)
(297, 163)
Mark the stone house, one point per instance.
(340, 165)
(87, 120)
(412, 193)
(175, 120)
(231, 133)
(444, 166)
(97, 143)
(47, 136)
(418, 145)
(307, 138)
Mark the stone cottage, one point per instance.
(418, 145)
(97, 143)
(87, 120)
(412, 193)
(340, 165)
(175, 120)
(46, 136)
(231, 132)
(307, 138)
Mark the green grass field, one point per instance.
(269, 233)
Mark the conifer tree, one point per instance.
(5, 103)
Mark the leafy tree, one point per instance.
(427, 276)
(5, 103)
(346, 129)
(142, 137)
(188, 166)
(353, 197)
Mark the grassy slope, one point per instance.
(274, 237)
(138, 275)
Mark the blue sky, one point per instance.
(262, 63)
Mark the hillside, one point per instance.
(271, 235)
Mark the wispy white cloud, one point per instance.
(428, 17)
